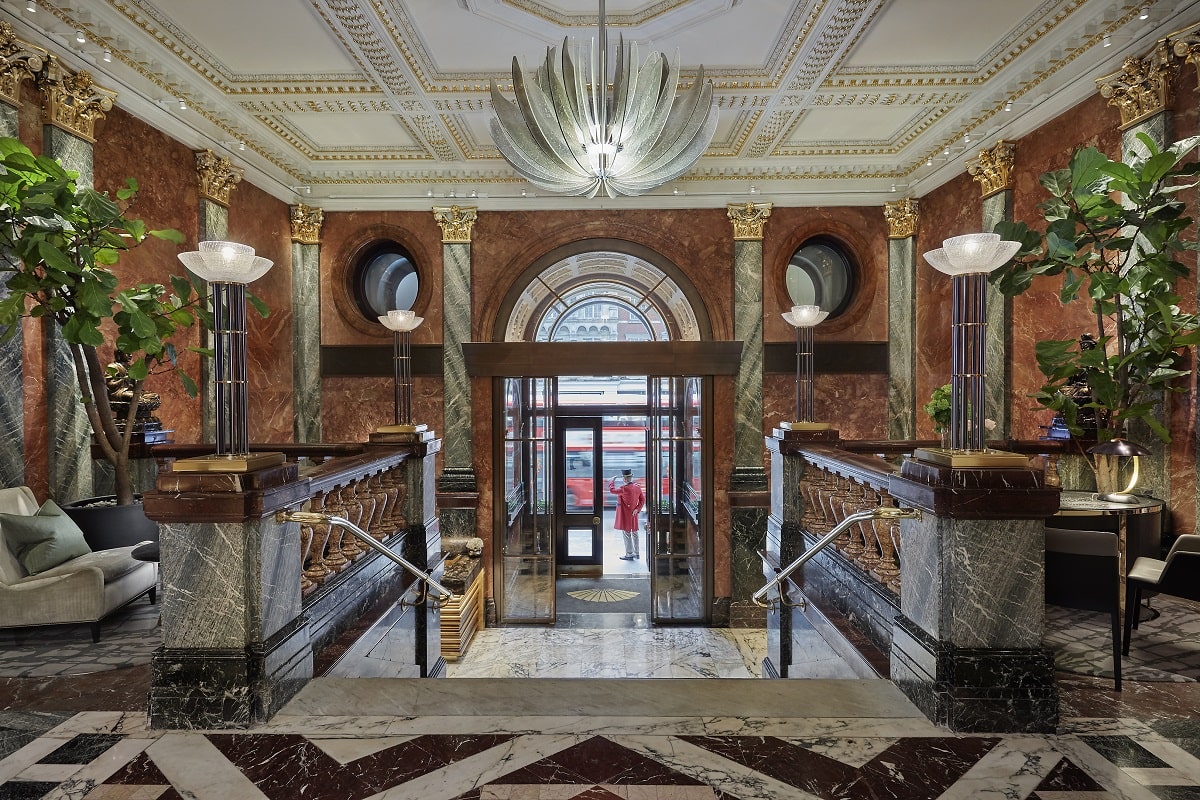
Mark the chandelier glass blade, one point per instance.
(566, 133)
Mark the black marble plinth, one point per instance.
(748, 479)
(975, 690)
(457, 480)
(226, 688)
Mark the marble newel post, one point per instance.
(993, 170)
(72, 103)
(458, 493)
(22, 62)
(748, 481)
(216, 177)
(967, 645)
(902, 217)
(306, 313)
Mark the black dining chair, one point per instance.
(1178, 575)
(1083, 571)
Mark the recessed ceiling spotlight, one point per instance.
(929, 161)
(1144, 13)
(453, 194)
(1008, 105)
(1106, 41)
(753, 189)
(967, 137)
(893, 187)
(474, 193)
(182, 104)
(108, 56)
(946, 152)
(429, 192)
(31, 7)
(522, 193)
(241, 145)
(79, 37)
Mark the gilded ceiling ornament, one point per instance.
(993, 168)
(18, 60)
(1186, 45)
(217, 176)
(748, 220)
(1142, 87)
(306, 224)
(902, 216)
(72, 100)
(456, 223)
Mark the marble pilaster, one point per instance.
(457, 224)
(748, 223)
(71, 434)
(306, 360)
(12, 368)
(998, 208)
(902, 363)
(213, 227)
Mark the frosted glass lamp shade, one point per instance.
(805, 316)
(972, 254)
(226, 262)
(401, 321)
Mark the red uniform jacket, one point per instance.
(630, 500)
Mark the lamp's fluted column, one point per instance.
(1143, 91)
(217, 177)
(306, 308)
(67, 135)
(902, 217)
(458, 467)
(21, 61)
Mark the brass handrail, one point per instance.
(879, 512)
(314, 518)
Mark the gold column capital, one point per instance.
(457, 223)
(902, 217)
(73, 101)
(993, 168)
(18, 60)
(1142, 87)
(217, 176)
(1185, 44)
(748, 220)
(306, 224)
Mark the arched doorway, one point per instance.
(618, 402)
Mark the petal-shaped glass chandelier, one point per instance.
(567, 134)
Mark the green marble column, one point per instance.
(748, 222)
(306, 328)
(998, 208)
(902, 217)
(458, 471)
(213, 227)
(12, 369)
(70, 434)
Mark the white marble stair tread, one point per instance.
(583, 697)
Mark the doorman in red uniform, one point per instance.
(630, 500)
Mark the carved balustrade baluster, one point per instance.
(808, 491)
(365, 494)
(400, 522)
(870, 530)
(821, 518)
(379, 493)
(836, 503)
(318, 570)
(852, 505)
(352, 510)
(394, 485)
(888, 569)
(307, 584)
(335, 558)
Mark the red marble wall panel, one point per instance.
(353, 407)
(953, 209)
(264, 223)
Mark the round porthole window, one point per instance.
(385, 279)
(821, 273)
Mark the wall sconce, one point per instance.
(402, 323)
(228, 267)
(1108, 458)
(968, 260)
(804, 319)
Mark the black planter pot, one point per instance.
(106, 525)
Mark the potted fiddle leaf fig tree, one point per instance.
(59, 242)
(1114, 232)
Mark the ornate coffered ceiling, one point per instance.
(377, 104)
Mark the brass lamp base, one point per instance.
(241, 462)
(402, 428)
(805, 426)
(960, 459)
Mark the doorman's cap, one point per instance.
(628, 473)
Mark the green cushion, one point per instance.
(45, 540)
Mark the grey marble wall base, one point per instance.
(229, 688)
(748, 479)
(457, 480)
(971, 690)
(722, 615)
(458, 523)
(748, 532)
(744, 614)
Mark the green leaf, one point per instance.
(259, 305)
(189, 385)
(167, 234)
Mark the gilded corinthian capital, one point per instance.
(748, 220)
(306, 224)
(72, 100)
(993, 168)
(217, 176)
(1142, 87)
(1185, 44)
(18, 60)
(456, 223)
(902, 217)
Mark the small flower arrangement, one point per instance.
(938, 408)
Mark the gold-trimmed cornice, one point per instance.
(73, 101)
(748, 220)
(1185, 44)
(1142, 87)
(18, 60)
(457, 223)
(306, 224)
(993, 168)
(217, 176)
(902, 217)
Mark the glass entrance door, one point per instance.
(579, 494)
